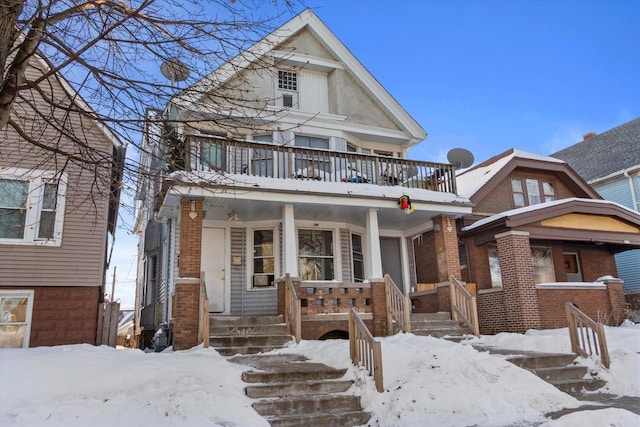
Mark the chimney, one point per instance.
(588, 135)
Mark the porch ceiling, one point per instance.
(389, 218)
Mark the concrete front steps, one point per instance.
(560, 370)
(290, 390)
(231, 335)
(295, 392)
(437, 325)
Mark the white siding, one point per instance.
(313, 92)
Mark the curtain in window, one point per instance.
(315, 256)
(542, 265)
(13, 208)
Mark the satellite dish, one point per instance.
(460, 158)
(174, 70)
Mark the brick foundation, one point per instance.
(595, 302)
(491, 311)
(63, 315)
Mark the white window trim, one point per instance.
(249, 257)
(35, 197)
(28, 293)
(337, 255)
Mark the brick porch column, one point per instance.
(190, 238)
(615, 288)
(379, 308)
(446, 247)
(520, 296)
(186, 313)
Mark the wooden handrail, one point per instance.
(207, 153)
(292, 310)
(203, 324)
(364, 349)
(398, 307)
(587, 336)
(463, 306)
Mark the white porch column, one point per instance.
(290, 263)
(373, 268)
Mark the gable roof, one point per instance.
(606, 154)
(270, 44)
(476, 182)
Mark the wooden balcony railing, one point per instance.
(463, 306)
(364, 349)
(290, 162)
(398, 307)
(587, 336)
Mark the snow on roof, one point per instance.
(540, 206)
(472, 180)
(346, 189)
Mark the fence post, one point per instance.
(377, 366)
(573, 328)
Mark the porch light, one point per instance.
(231, 216)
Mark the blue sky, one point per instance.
(486, 75)
(491, 75)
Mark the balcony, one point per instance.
(209, 154)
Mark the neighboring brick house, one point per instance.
(306, 179)
(610, 163)
(538, 236)
(54, 220)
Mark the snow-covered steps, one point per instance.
(231, 335)
(561, 370)
(436, 325)
(294, 392)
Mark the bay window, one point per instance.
(263, 258)
(315, 254)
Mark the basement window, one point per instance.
(16, 307)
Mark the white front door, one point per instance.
(213, 264)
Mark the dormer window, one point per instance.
(528, 191)
(287, 80)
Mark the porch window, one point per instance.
(15, 318)
(531, 191)
(262, 159)
(312, 164)
(213, 155)
(543, 271)
(315, 254)
(357, 258)
(263, 258)
(31, 207)
(494, 267)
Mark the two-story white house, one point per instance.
(296, 162)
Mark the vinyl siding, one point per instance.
(80, 259)
(243, 301)
(627, 263)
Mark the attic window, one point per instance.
(287, 80)
(287, 100)
(531, 192)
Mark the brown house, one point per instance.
(538, 236)
(55, 217)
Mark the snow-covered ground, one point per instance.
(427, 382)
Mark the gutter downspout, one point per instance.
(634, 200)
